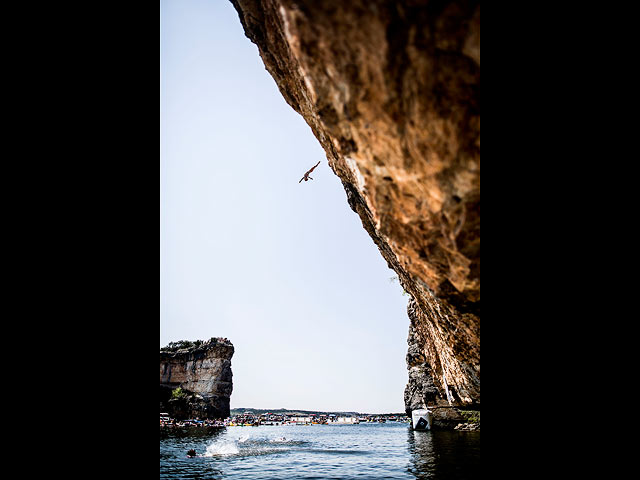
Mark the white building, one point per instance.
(343, 420)
(301, 420)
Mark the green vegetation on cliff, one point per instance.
(181, 344)
(173, 347)
(178, 393)
(470, 416)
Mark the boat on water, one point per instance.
(421, 419)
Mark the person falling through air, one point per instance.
(306, 177)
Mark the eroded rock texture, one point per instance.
(391, 91)
(203, 373)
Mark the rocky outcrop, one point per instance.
(421, 390)
(202, 372)
(391, 91)
(467, 427)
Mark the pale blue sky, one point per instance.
(284, 270)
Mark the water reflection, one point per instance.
(444, 455)
(347, 452)
(174, 445)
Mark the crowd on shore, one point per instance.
(248, 419)
(168, 422)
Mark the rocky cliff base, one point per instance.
(455, 419)
(196, 379)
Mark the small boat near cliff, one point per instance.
(421, 419)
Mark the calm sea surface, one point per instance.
(372, 450)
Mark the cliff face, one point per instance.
(203, 372)
(391, 91)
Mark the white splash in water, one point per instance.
(225, 447)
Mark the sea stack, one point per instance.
(196, 378)
(391, 90)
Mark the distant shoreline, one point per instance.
(286, 411)
(276, 419)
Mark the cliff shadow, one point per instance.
(443, 454)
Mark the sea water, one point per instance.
(364, 451)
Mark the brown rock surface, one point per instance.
(203, 371)
(391, 91)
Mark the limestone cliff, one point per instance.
(202, 370)
(391, 90)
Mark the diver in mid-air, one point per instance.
(306, 177)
